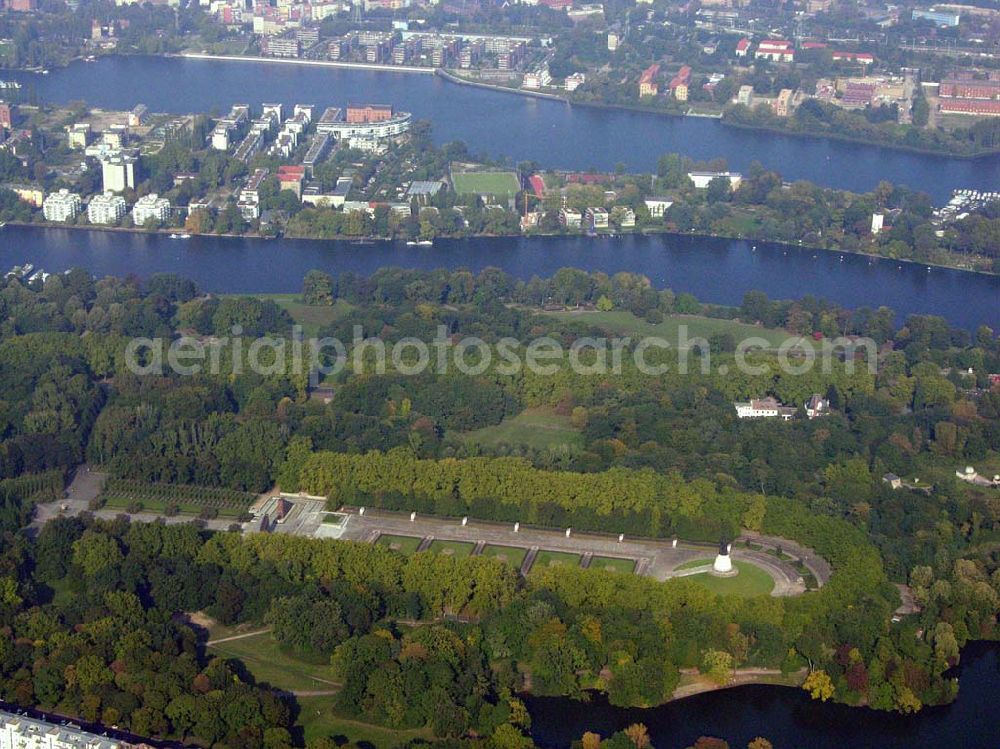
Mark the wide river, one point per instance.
(502, 124)
(714, 270)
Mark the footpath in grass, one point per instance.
(622, 322)
(265, 659)
(539, 428)
(318, 720)
(752, 580)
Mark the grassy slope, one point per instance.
(538, 428)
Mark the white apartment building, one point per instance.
(150, 206)
(20, 732)
(763, 408)
(106, 209)
(118, 172)
(62, 206)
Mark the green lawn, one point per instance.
(310, 317)
(457, 549)
(539, 428)
(318, 720)
(500, 184)
(548, 558)
(622, 322)
(513, 555)
(268, 663)
(612, 564)
(752, 580)
(402, 544)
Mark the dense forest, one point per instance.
(93, 608)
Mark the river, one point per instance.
(552, 133)
(714, 270)
(789, 718)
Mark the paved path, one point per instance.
(655, 558)
(238, 637)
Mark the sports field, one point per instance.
(501, 184)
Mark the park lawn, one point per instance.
(512, 555)
(499, 183)
(539, 428)
(160, 506)
(265, 659)
(752, 580)
(547, 558)
(403, 544)
(456, 549)
(622, 322)
(318, 720)
(612, 564)
(311, 317)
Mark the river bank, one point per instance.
(457, 79)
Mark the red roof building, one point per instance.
(969, 89)
(537, 185)
(647, 81)
(742, 47)
(862, 57)
(971, 106)
(291, 178)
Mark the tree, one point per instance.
(638, 734)
(718, 666)
(317, 288)
(819, 685)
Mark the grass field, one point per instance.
(318, 720)
(612, 564)
(500, 184)
(402, 544)
(547, 558)
(268, 663)
(457, 549)
(539, 428)
(752, 580)
(622, 322)
(310, 317)
(513, 555)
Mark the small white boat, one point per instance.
(425, 243)
(411, 243)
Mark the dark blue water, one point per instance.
(553, 133)
(789, 718)
(714, 270)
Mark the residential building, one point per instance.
(29, 194)
(862, 58)
(21, 732)
(78, 135)
(657, 207)
(336, 198)
(938, 17)
(763, 408)
(703, 179)
(745, 96)
(742, 47)
(623, 216)
(6, 116)
(817, 405)
(574, 81)
(148, 207)
(679, 83)
(107, 209)
(138, 116)
(118, 171)
(570, 218)
(613, 41)
(62, 206)
(597, 218)
(647, 81)
(291, 178)
(363, 122)
(775, 50)
(782, 104)
(878, 221)
(249, 197)
(319, 146)
(271, 46)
